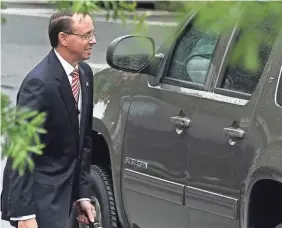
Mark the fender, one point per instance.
(100, 127)
(115, 158)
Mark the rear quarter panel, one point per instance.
(263, 159)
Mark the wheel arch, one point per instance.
(260, 175)
(99, 129)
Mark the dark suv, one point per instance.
(183, 138)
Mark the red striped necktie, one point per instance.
(75, 85)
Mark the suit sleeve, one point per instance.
(20, 197)
(86, 153)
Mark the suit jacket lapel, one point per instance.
(65, 90)
(85, 100)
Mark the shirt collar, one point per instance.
(67, 66)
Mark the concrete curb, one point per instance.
(151, 14)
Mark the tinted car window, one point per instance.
(237, 77)
(192, 56)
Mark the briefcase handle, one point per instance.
(93, 225)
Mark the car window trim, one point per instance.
(201, 94)
(222, 71)
(277, 87)
(224, 63)
(182, 83)
(234, 94)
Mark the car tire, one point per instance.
(102, 196)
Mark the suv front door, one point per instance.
(157, 139)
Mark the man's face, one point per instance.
(83, 38)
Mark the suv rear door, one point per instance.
(219, 140)
(157, 147)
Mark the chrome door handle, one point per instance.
(234, 132)
(180, 121)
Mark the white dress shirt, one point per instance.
(68, 69)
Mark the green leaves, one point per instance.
(3, 20)
(116, 10)
(251, 19)
(20, 132)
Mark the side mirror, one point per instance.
(197, 67)
(130, 52)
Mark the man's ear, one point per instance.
(63, 38)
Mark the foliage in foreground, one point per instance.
(20, 131)
(225, 15)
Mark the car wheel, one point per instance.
(102, 197)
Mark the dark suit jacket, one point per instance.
(61, 173)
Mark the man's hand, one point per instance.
(86, 212)
(29, 223)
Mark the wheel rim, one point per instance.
(98, 218)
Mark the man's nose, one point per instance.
(93, 40)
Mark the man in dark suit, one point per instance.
(61, 85)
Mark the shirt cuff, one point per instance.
(83, 199)
(22, 218)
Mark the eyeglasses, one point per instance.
(86, 36)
